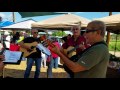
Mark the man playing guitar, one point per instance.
(34, 54)
(93, 61)
(75, 40)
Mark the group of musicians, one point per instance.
(90, 57)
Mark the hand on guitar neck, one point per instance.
(82, 46)
(46, 42)
(71, 51)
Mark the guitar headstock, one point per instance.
(46, 42)
(42, 38)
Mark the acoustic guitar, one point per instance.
(46, 42)
(70, 51)
(34, 45)
(28, 52)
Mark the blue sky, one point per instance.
(88, 15)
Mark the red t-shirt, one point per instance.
(54, 55)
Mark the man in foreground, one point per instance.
(93, 61)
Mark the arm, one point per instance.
(24, 46)
(1, 65)
(74, 66)
(20, 39)
(1, 57)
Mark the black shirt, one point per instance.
(31, 40)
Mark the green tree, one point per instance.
(58, 33)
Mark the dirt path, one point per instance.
(17, 71)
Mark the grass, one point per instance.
(112, 46)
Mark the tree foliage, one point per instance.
(58, 33)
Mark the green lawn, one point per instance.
(112, 46)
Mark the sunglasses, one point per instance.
(88, 31)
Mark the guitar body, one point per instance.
(26, 52)
(69, 55)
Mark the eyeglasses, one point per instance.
(88, 31)
(75, 29)
(35, 32)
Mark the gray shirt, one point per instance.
(95, 60)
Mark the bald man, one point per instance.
(35, 56)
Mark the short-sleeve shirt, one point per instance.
(31, 40)
(71, 42)
(95, 60)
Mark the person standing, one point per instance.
(54, 55)
(74, 41)
(44, 59)
(35, 56)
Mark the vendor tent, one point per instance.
(23, 25)
(5, 23)
(112, 22)
(64, 21)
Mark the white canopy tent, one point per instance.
(23, 25)
(19, 26)
(61, 22)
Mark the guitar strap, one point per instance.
(101, 42)
(75, 58)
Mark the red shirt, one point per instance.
(71, 42)
(52, 53)
(14, 47)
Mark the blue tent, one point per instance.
(5, 23)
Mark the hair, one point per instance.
(98, 25)
(64, 38)
(34, 30)
(69, 35)
(78, 26)
(15, 37)
(53, 39)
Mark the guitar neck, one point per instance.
(73, 49)
(46, 41)
(82, 43)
